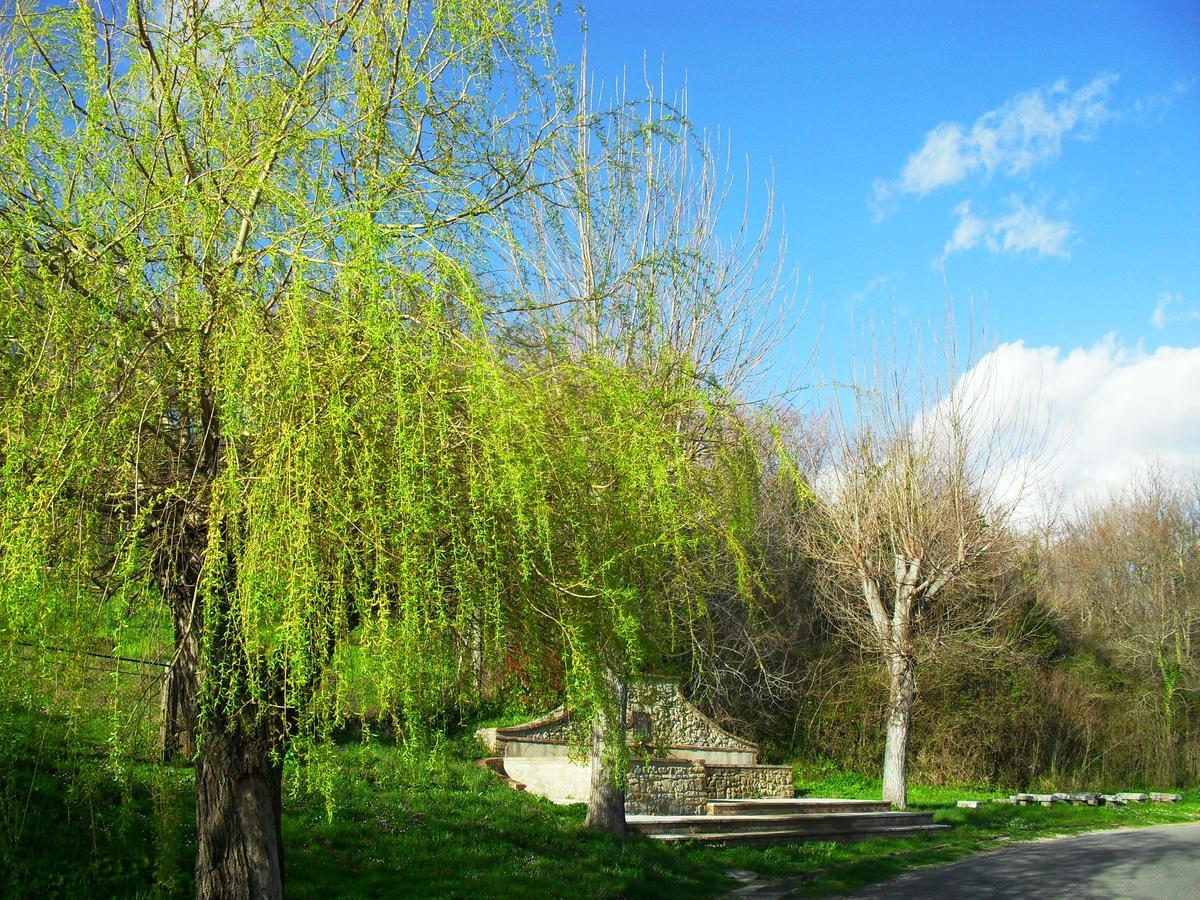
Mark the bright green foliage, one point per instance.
(250, 379)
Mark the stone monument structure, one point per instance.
(690, 760)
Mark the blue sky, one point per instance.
(1047, 155)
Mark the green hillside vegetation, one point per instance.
(432, 823)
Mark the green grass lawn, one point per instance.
(436, 825)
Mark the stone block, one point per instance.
(1133, 797)
(1159, 797)
(970, 804)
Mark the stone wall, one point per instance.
(666, 787)
(678, 787)
(676, 723)
(748, 782)
(659, 717)
(553, 727)
(686, 759)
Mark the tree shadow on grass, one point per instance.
(461, 832)
(71, 826)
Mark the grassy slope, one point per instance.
(437, 826)
(74, 825)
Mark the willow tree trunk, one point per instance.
(179, 711)
(182, 534)
(902, 682)
(238, 816)
(606, 795)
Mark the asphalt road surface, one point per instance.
(1162, 863)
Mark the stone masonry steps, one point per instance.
(795, 806)
(762, 838)
(805, 826)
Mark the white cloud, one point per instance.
(968, 233)
(1170, 308)
(1158, 318)
(1024, 230)
(1027, 229)
(1156, 103)
(1011, 139)
(1106, 413)
(942, 160)
(866, 290)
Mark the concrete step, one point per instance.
(796, 806)
(804, 824)
(762, 838)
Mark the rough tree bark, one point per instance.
(238, 775)
(239, 781)
(902, 683)
(179, 712)
(238, 815)
(181, 531)
(606, 797)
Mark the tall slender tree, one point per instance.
(623, 257)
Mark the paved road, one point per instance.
(1160, 863)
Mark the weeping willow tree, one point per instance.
(254, 402)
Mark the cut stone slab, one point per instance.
(795, 806)
(1113, 800)
(766, 838)
(745, 876)
(969, 804)
(771, 828)
(1159, 797)
(1133, 797)
(816, 823)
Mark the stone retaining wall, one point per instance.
(691, 760)
(748, 782)
(659, 718)
(680, 787)
(666, 787)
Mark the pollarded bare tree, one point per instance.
(912, 521)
